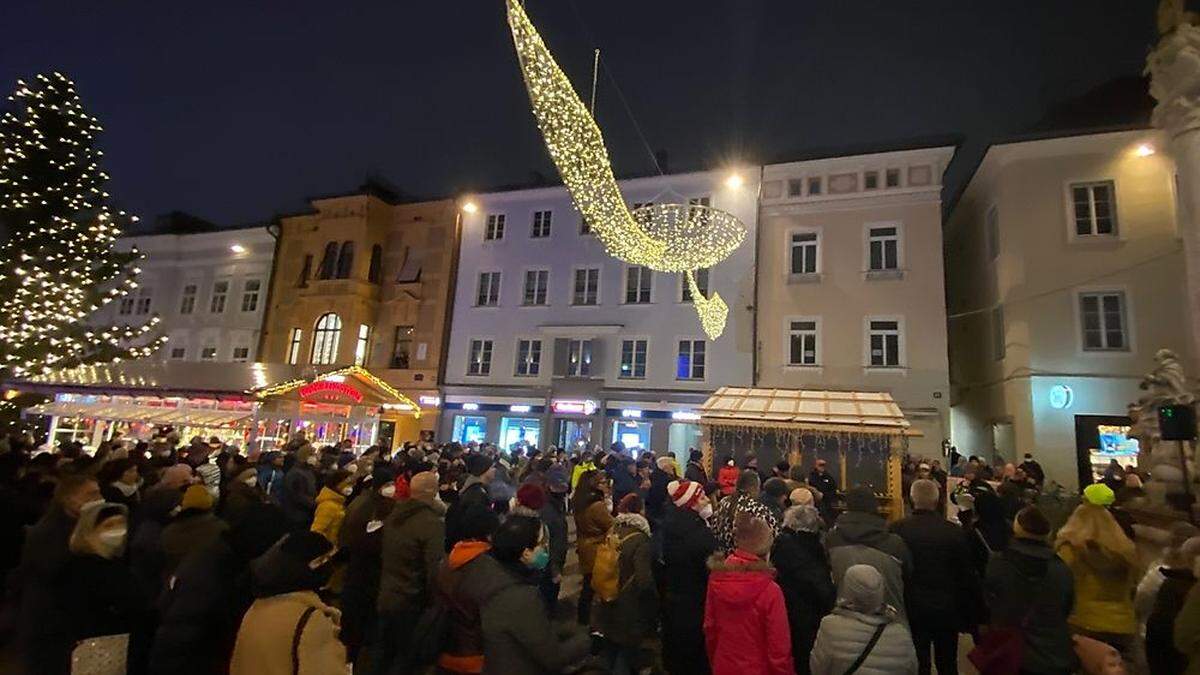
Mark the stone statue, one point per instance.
(1166, 384)
(1174, 68)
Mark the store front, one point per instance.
(510, 422)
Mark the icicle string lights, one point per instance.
(676, 238)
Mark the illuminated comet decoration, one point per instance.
(673, 238)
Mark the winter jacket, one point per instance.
(727, 479)
(1161, 654)
(190, 530)
(413, 537)
(104, 598)
(942, 591)
(1187, 630)
(623, 482)
(299, 494)
(694, 471)
(467, 579)
(745, 618)
(726, 516)
(824, 484)
(1028, 586)
(844, 635)
(518, 638)
(554, 518)
(1104, 585)
(808, 591)
(632, 615)
(863, 539)
(119, 493)
(579, 470)
(43, 620)
(146, 557)
(240, 498)
(687, 544)
(264, 641)
(591, 526)
(327, 519)
(656, 499)
(210, 476)
(361, 536)
(474, 493)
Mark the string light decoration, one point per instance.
(674, 238)
(59, 232)
(404, 402)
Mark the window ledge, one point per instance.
(1106, 352)
(1097, 240)
(805, 278)
(534, 304)
(795, 367)
(895, 370)
(883, 275)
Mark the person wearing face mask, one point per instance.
(687, 544)
(331, 504)
(192, 528)
(242, 495)
(299, 494)
(361, 536)
(289, 629)
(120, 483)
(629, 619)
(44, 640)
(518, 638)
(103, 596)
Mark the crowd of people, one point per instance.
(451, 559)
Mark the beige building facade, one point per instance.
(850, 291)
(364, 279)
(1065, 275)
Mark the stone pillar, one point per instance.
(1174, 69)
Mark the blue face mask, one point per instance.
(540, 559)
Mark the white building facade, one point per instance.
(208, 288)
(554, 342)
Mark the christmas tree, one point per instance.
(58, 233)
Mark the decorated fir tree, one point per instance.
(57, 232)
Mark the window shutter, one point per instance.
(561, 354)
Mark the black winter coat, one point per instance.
(104, 598)
(1161, 654)
(696, 473)
(805, 578)
(1028, 585)
(43, 628)
(656, 498)
(942, 590)
(475, 494)
(687, 543)
(299, 495)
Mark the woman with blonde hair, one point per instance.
(1103, 561)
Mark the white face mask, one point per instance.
(251, 481)
(94, 503)
(388, 491)
(706, 511)
(312, 460)
(352, 468)
(112, 540)
(347, 490)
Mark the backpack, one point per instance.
(606, 574)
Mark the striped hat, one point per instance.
(685, 493)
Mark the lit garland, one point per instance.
(357, 371)
(60, 234)
(663, 237)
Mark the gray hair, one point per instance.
(803, 518)
(924, 493)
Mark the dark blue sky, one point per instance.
(238, 110)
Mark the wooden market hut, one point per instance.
(860, 435)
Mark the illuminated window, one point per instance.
(633, 359)
(216, 304)
(689, 364)
(293, 356)
(326, 335)
(685, 289)
(1103, 316)
(402, 347)
(480, 360)
(637, 284)
(250, 295)
(541, 225)
(363, 345)
(1095, 209)
(579, 358)
(536, 283)
(208, 354)
(587, 287)
(529, 358)
(187, 302)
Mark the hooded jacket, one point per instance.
(745, 618)
(863, 539)
(413, 549)
(1104, 584)
(467, 579)
(1028, 586)
(845, 634)
(327, 519)
(631, 616)
(518, 638)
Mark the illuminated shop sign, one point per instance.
(574, 407)
(470, 406)
(432, 401)
(631, 412)
(685, 416)
(330, 389)
(520, 408)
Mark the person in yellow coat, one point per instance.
(331, 504)
(1103, 561)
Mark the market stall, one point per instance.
(860, 435)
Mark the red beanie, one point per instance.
(531, 496)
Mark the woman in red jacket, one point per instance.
(745, 618)
(727, 478)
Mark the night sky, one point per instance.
(235, 111)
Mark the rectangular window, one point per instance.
(892, 178)
(637, 284)
(884, 338)
(991, 225)
(143, 301)
(579, 358)
(126, 306)
(480, 361)
(488, 293)
(178, 353)
(529, 358)
(208, 354)
(216, 304)
(702, 200)
(998, 337)
(494, 227)
(1095, 209)
(241, 353)
(633, 359)
(1105, 325)
(870, 180)
(690, 363)
(402, 347)
(883, 248)
(795, 187)
(250, 295)
(541, 225)
(187, 302)
(536, 283)
(802, 343)
(362, 347)
(587, 287)
(685, 289)
(804, 254)
(814, 185)
(294, 346)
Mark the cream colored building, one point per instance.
(1065, 275)
(850, 284)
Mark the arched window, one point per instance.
(345, 260)
(376, 262)
(325, 339)
(329, 261)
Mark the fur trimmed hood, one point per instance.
(635, 521)
(739, 562)
(519, 510)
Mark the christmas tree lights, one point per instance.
(677, 238)
(58, 237)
